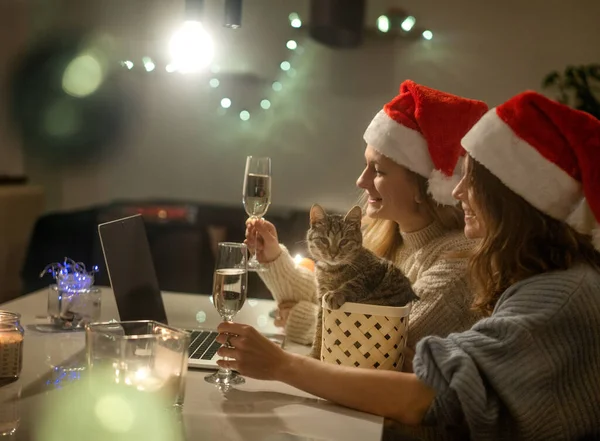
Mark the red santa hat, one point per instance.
(421, 130)
(547, 153)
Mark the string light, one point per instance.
(408, 23)
(295, 21)
(383, 23)
(148, 64)
(277, 86)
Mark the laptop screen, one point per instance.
(131, 270)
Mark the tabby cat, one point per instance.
(348, 272)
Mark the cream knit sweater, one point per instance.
(439, 280)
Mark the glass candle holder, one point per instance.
(10, 393)
(11, 345)
(147, 355)
(74, 308)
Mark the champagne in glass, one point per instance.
(229, 291)
(230, 285)
(257, 194)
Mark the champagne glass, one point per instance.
(230, 285)
(257, 195)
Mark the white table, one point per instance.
(257, 410)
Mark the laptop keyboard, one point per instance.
(203, 345)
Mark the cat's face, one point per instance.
(334, 239)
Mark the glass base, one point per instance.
(255, 265)
(225, 379)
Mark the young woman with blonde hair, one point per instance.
(413, 147)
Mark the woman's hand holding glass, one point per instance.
(262, 240)
(250, 353)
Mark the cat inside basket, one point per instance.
(348, 272)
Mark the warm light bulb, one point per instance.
(191, 48)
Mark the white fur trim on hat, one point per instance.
(441, 187)
(521, 167)
(402, 145)
(582, 219)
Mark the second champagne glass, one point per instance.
(257, 194)
(230, 286)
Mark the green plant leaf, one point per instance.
(552, 79)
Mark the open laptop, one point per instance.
(133, 279)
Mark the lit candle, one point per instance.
(144, 380)
(11, 354)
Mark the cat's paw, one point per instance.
(334, 300)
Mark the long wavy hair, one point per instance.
(383, 237)
(520, 241)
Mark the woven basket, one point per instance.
(366, 336)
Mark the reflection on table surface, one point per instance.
(55, 367)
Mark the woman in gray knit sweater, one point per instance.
(530, 371)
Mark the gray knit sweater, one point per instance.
(531, 371)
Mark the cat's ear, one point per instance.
(354, 215)
(317, 214)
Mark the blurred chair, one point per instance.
(20, 206)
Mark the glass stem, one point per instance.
(226, 372)
(255, 242)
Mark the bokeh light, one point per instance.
(285, 65)
(383, 23)
(100, 409)
(244, 115)
(62, 119)
(277, 86)
(214, 83)
(225, 103)
(427, 35)
(291, 45)
(83, 76)
(408, 23)
(148, 64)
(265, 104)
